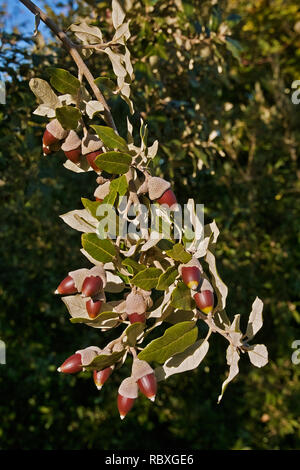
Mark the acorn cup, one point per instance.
(127, 394)
(72, 365)
(159, 191)
(145, 378)
(72, 147)
(102, 191)
(91, 147)
(54, 133)
(101, 376)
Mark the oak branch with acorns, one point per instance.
(136, 282)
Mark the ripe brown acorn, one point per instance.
(91, 157)
(72, 147)
(205, 301)
(54, 133)
(71, 365)
(148, 385)
(67, 286)
(91, 286)
(93, 307)
(73, 155)
(137, 317)
(191, 276)
(49, 139)
(127, 393)
(101, 376)
(124, 405)
(167, 198)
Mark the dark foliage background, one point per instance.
(248, 179)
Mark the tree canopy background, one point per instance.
(229, 137)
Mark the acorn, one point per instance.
(101, 376)
(159, 191)
(91, 147)
(54, 133)
(168, 198)
(145, 378)
(72, 147)
(205, 301)
(135, 303)
(127, 394)
(91, 286)
(93, 307)
(191, 274)
(102, 191)
(91, 157)
(71, 365)
(137, 317)
(67, 286)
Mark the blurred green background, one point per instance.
(213, 81)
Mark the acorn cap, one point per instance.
(78, 277)
(135, 303)
(56, 129)
(192, 262)
(206, 285)
(90, 143)
(72, 142)
(98, 271)
(157, 187)
(88, 354)
(140, 369)
(101, 180)
(128, 388)
(102, 190)
(147, 297)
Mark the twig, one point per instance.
(72, 49)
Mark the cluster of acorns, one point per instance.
(91, 284)
(192, 276)
(142, 378)
(56, 137)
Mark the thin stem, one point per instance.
(72, 49)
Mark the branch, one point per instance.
(72, 49)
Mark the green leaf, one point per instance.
(63, 81)
(234, 47)
(100, 250)
(167, 278)
(181, 297)
(178, 253)
(147, 279)
(174, 340)
(110, 198)
(106, 83)
(91, 206)
(114, 162)
(133, 332)
(105, 360)
(119, 185)
(136, 267)
(68, 116)
(107, 319)
(110, 139)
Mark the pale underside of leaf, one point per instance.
(255, 319)
(233, 358)
(184, 361)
